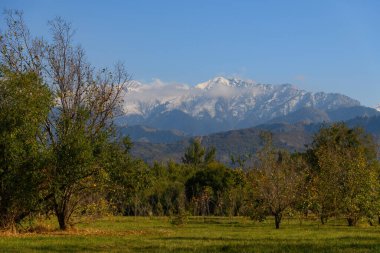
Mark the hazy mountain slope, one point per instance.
(243, 142)
(140, 133)
(347, 113)
(370, 124)
(236, 142)
(313, 115)
(304, 115)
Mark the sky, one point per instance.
(321, 45)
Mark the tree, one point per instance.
(24, 106)
(80, 122)
(127, 179)
(345, 173)
(167, 195)
(196, 154)
(208, 185)
(275, 181)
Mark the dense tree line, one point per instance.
(60, 155)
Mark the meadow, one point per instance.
(211, 234)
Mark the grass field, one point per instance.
(129, 234)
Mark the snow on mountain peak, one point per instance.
(224, 82)
(133, 86)
(217, 81)
(226, 100)
(377, 107)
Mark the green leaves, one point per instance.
(276, 181)
(24, 106)
(345, 172)
(196, 154)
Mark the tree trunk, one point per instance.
(323, 219)
(61, 220)
(352, 221)
(61, 212)
(277, 220)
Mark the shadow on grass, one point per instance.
(216, 244)
(223, 244)
(194, 238)
(65, 248)
(223, 223)
(268, 247)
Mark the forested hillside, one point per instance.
(294, 137)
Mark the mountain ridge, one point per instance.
(245, 142)
(220, 104)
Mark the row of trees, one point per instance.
(59, 154)
(337, 176)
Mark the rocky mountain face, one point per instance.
(223, 104)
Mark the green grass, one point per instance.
(129, 234)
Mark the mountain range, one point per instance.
(230, 114)
(223, 104)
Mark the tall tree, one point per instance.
(86, 101)
(346, 172)
(207, 186)
(276, 181)
(24, 106)
(196, 154)
(127, 178)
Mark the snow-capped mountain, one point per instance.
(220, 104)
(378, 107)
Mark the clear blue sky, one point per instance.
(321, 45)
